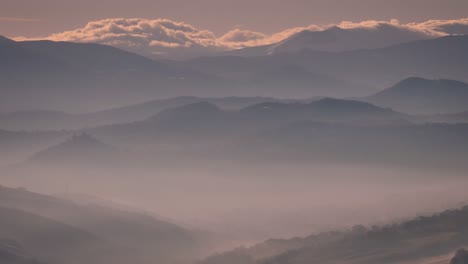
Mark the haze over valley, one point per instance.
(154, 140)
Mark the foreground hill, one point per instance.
(423, 96)
(414, 241)
(67, 232)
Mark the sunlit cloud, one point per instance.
(18, 19)
(453, 26)
(164, 36)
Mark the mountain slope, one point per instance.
(334, 39)
(277, 77)
(372, 69)
(80, 76)
(138, 236)
(423, 96)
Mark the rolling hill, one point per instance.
(423, 96)
(33, 120)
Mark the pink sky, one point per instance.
(32, 18)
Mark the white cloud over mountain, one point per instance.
(179, 39)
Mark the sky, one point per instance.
(39, 18)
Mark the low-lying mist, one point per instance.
(251, 202)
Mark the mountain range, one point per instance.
(79, 77)
(30, 120)
(424, 99)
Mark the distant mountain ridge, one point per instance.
(47, 74)
(334, 39)
(56, 75)
(55, 120)
(371, 69)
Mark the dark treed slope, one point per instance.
(413, 240)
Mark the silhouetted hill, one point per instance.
(195, 112)
(78, 148)
(423, 96)
(18, 145)
(407, 242)
(54, 120)
(206, 121)
(326, 110)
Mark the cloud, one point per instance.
(238, 38)
(137, 32)
(454, 26)
(18, 19)
(173, 38)
(394, 24)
